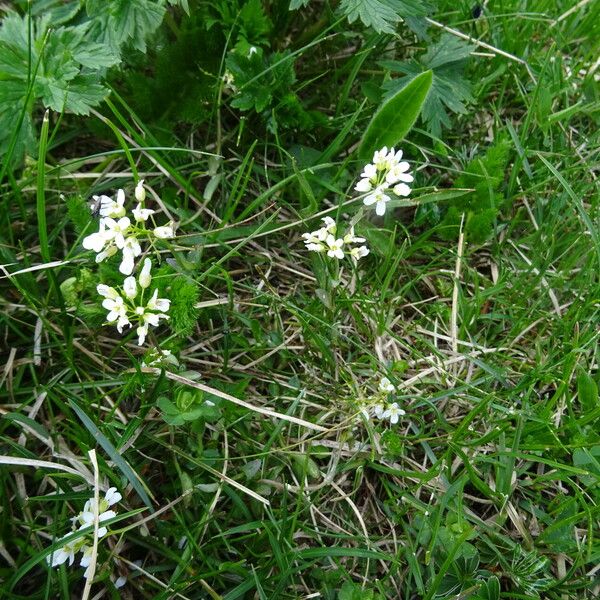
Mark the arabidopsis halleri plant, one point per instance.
(325, 240)
(388, 173)
(379, 405)
(128, 306)
(117, 232)
(83, 520)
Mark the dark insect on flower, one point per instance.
(476, 11)
(97, 204)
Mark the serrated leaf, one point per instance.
(119, 22)
(450, 90)
(395, 118)
(382, 15)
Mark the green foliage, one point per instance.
(263, 83)
(119, 23)
(188, 405)
(63, 66)
(183, 292)
(396, 116)
(354, 591)
(246, 20)
(68, 75)
(481, 207)
(383, 15)
(450, 90)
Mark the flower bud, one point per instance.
(130, 287)
(140, 192)
(145, 278)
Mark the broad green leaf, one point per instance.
(394, 119)
(587, 390)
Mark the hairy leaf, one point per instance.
(394, 119)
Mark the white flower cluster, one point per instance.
(118, 232)
(127, 304)
(86, 519)
(387, 171)
(325, 240)
(380, 407)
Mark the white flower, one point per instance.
(120, 582)
(86, 518)
(334, 247)
(112, 208)
(60, 556)
(131, 249)
(146, 317)
(107, 291)
(97, 241)
(379, 198)
(142, 214)
(156, 303)
(106, 253)
(393, 413)
(140, 192)
(380, 157)
(398, 173)
(112, 496)
(144, 278)
(385, 385)
(117, 230)
(350, 238)
(330, 225)
(142, 332)
(401, 189)
(388, 169)
(165, 232)
(358, 253)
(117, 312)
(130, 287)
(316, 247)
(379, 410)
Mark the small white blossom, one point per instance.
(334, 247)
(385, 385)
(111, 208)
(85, 519)
(379, 198)
(325, 240)
(107, 291)
(387, 171)
(117, 230)
(112, 496)
(60, 556)
(359, 252)
(393, 413)
(350, 238)
(165, 232)
(131, 249)
(97, 241)
(141, 214)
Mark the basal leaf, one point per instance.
(394, 119)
